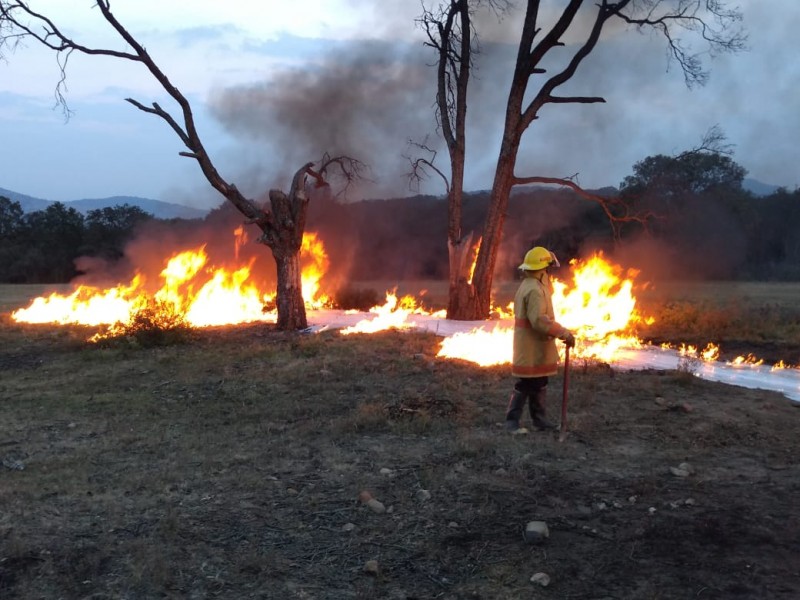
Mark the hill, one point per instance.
(157, 208)
(759, 188)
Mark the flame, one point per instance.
(393, 314)
(315, 265)
(475, 250)
(598, 306)
(188, 285)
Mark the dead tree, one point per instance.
(710, 20)
(282, 225)
(450, 33)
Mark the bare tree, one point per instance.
(282, 224)
(451, 34)
(709, 20)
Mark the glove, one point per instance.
(568, 339)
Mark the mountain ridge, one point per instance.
(157, 208)
(169, 210)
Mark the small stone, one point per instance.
(632, 499)
(71, 426)
(536, 532)
(684, 466)
(500, 471)
(652, 510)
(690, 502)
(291, 491)
(385, 471)
(348, 527)
(543, 579)
(371, 567)
(423, 495)
(678, 472)
(375, 506)
(686, 407)
(602, 506)
(364, 496)
(617, 504)
(453, 525)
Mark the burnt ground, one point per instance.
(231, 466)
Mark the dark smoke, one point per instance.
(363, 100)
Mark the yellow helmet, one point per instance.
(539, 258)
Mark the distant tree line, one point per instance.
(702, 224)
(42, 246)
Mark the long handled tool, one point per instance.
(563, 434)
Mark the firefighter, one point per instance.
(535, 355)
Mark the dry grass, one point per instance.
(230, 465)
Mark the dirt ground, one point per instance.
(235, 465)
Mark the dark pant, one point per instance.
(531, 390)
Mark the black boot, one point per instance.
(538, 408)
(514, 411)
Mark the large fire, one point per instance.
(190, 285)
(598, 305)
(595, 300)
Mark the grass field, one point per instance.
(233, 463)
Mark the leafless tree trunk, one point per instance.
(709, 20)
(282, 227)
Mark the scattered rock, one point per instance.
(385, 471)
(13, 463)
(453, 525)
(365, 497)
(375, 506)
(632, 499)
(536, 532)
(678, 472)
(371, 567)
(348, 527)
(423, 495)
(543, 579)
(652, 510)
(500, 471)
(690, 502)
(686, 467)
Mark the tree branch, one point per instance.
(617, 211)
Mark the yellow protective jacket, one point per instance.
(535, 329)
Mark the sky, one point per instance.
(274, 85)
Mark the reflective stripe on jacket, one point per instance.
(535, 330)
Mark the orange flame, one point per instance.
(204, 294)
(475, 250)
(315, 259)
(598, 306)
(393, 314)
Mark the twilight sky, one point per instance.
(275, 84)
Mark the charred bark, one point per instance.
(461, 299)
(291, 305)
